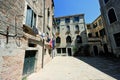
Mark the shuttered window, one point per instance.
(30, 18)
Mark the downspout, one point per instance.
(43, 50)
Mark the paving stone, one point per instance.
(70, 68)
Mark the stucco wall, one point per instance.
(113, 28)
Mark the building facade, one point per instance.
(21, 39)
(97, 37)
(110, 13)
(70, 34)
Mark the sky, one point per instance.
(90, 8)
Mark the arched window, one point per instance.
(58, 29)
(77, 28)
(90, 35)
(68, 28)
(112, 16)
(68, 39)
(106, 1)
(58, 40)
(79, 39)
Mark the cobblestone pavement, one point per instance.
(82, 68)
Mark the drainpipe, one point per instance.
(43, 49)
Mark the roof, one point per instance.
(70, 16)
(97, 18)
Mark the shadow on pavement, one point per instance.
(110, 66)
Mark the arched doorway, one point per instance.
(95, 49)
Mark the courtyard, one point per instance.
(80, 68)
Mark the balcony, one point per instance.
(94, 39)
(57, 33)
(77, 31)
(32, 31)
(68, 32)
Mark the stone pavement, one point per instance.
(70, 68)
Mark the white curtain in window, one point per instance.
(29, 17)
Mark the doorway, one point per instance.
(95, 48)
(69, 52)
(105, 48)
(29, 62)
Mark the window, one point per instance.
(106, 1)
(76, 19)
(112, 16)
(100, 22)
(102, 32)
(30, 17)
(90, 35)
(77, 28)
(68, 28)
(88, 27)
(48, 27)
(58, 21)
(63, 50)
(117, 39)
(58, 50)
(78, 39)
(95, 25)
(48, 15)
(58, 40)
(48, 11)
(32, 45)
(97, 34)
(67, 20)
(68, 39)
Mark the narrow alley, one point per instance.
(83, 68)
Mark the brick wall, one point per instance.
(11, 53)
(11, 12)
(12, 66)
(12, 15)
